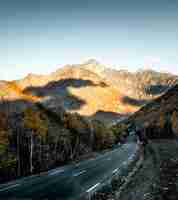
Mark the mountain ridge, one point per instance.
(108, 90)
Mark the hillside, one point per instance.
(159, 118)
(157, 177)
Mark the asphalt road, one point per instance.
(73, 181)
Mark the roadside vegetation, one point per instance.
(38, 139)
(159, 118)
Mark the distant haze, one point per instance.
(39, 36)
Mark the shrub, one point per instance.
(104, 137)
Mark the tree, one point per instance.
(162, 121)
(35, 121)
(119, 131)
(4, 144)
(80, 133)
(4, 140)
(174, 122)
(104, 137)
(3, 94)
(3, 122)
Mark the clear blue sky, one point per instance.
(38, 36)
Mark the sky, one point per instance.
(39, 36)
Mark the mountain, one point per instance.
(78, 88)
(33, 80)
(159, 118)
(93, 90)
(162, 114)
(140, 85)
(94, 66)
(75, 89)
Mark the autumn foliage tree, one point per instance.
(3, 123)
(79, 133)
(161, 121)
(119, 131)
(4, 141)
(37, 123)
(104, 137)
(174, 122)
(7, 160)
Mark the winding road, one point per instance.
(73, 181)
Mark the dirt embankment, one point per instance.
(157, 179)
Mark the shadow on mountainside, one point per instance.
(59, 92)
(157, 89)
(108, 116)
(134, 102)
(153, 90)
(62, 85)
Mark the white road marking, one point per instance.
(93, 187)
(131, 157)
(10, 187)
(79, 173)
(108, 159)
(77, 164)
(56, 172)
(125, 163)
(114, 171)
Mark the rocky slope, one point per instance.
(91, 89)
(160, 117)
(140, 85)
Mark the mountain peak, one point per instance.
(30, 75)
(94, 66)
(91, 62)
